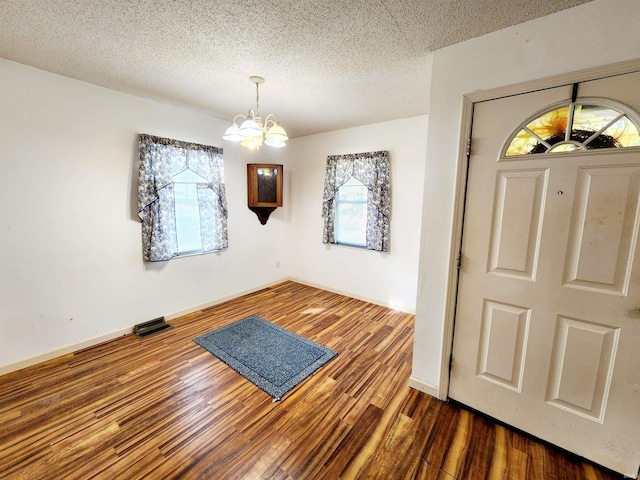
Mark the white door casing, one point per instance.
(547, 328)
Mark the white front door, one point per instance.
(547, 329)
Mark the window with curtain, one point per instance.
(357, 200)
(181, 198)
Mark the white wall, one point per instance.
(384, 278)
(71, 269)
(594, 34)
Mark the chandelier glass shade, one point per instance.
(251, 131)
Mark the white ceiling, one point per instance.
(328, 64)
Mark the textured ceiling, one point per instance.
(328, 64)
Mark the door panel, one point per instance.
(581, 367)
(517, 218)
(503, 340)
(547, 329)
(601, 243)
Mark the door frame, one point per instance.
(462, 168)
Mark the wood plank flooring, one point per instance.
(162, 407)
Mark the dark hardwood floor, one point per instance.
(162, 407)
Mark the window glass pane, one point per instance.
(187, 218)
(625, 132)
(592, 117)
(351, 214)
(522, 144)
(350, 226)
(564, 147)
(188, 176)
(352, 193)
(550, 124)
(547, 133)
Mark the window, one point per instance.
(357, 200)
(188, 225)
(578, 126)
(351, 214)
(181, 198)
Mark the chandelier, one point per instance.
(252, 132)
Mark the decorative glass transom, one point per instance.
(583, 125)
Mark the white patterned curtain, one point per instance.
(161, 159)
(372, 169)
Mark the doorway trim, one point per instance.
(466, 122)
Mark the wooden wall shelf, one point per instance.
(264, 189)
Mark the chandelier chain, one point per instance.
(258, 99)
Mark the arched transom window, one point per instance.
(587, 124)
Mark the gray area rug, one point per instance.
(273, 358)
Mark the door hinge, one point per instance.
(459, 261)
(468, 147)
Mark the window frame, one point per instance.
(339, 202)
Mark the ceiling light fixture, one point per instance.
(252, 132)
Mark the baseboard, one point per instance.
(5, 369)
(29, 362)
(218, 301)
(351, 295)
(425, 387)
